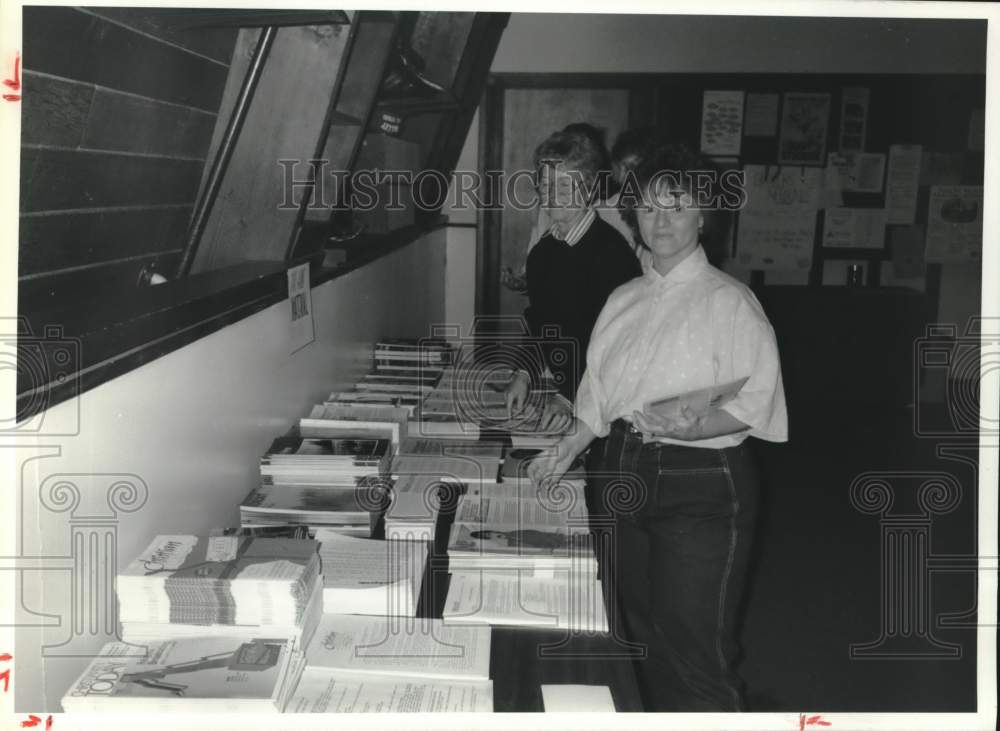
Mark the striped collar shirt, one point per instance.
(578, 229)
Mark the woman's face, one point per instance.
(559, 193)
(667, 220)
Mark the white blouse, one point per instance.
(660, 336)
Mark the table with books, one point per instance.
(394, 558)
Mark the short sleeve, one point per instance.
(591, 397)
(754, 352)
(589, 404)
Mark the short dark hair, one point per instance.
(579, 147)
(635, 142)
(680, 162)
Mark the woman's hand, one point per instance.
(686, 426)
(557, 415)
(516, 393)
(546, 468)
(515, 282)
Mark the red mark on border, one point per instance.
(811, 721)
(34, 720)
(5, 677)
(15, 83)
(6, 657)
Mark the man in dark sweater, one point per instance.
(571, 271)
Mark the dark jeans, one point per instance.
(683, 522)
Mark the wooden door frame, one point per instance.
(642, 111)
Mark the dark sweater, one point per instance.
(567, 288)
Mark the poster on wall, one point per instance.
(954, 223)
(858, 172)
(300, 328)
(777, 226)
(721, 122)
(804, 122)
(854, 228)
(762, 115)
(853, 118)
(902, 183)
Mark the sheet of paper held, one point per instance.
(577, 698)
(701, 401)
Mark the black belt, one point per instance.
(626, 427)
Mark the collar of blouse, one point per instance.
(686, 269)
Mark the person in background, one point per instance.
(682, 486)
(629, 148)
(570, 272)
(604, 184)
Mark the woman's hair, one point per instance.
(579, 147)
(635, 142)
(677, 164)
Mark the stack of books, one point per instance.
(564, 602)
(192, 675)
(518, 556)
(234, 586)
(362, 421)
(299, 460)
(410, 402)
(363, 576)
(518, 534)
(412, 382)
(349, 510)
(363, 664)
(413, 353)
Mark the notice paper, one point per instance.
(804, 120)
(853, 118)
(721, 122)
(902, 184)
(577, 699)
(855, 228)
(300, 304)
(955, 223)
(777, 227)
(858, 172)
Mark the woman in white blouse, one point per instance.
(683, 489)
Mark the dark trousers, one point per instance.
(682, 519)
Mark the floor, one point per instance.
(815, 587)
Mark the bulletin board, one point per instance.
(880, 170)
(891, 167)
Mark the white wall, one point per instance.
(582, 43)
(192, 426)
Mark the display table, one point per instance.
(524, 658)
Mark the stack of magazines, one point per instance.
(406, 353)
(371, 421)
(223, 585)
(367, 576)
(364, 664)
(349, 510)
(192, 675)
(295, 459)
